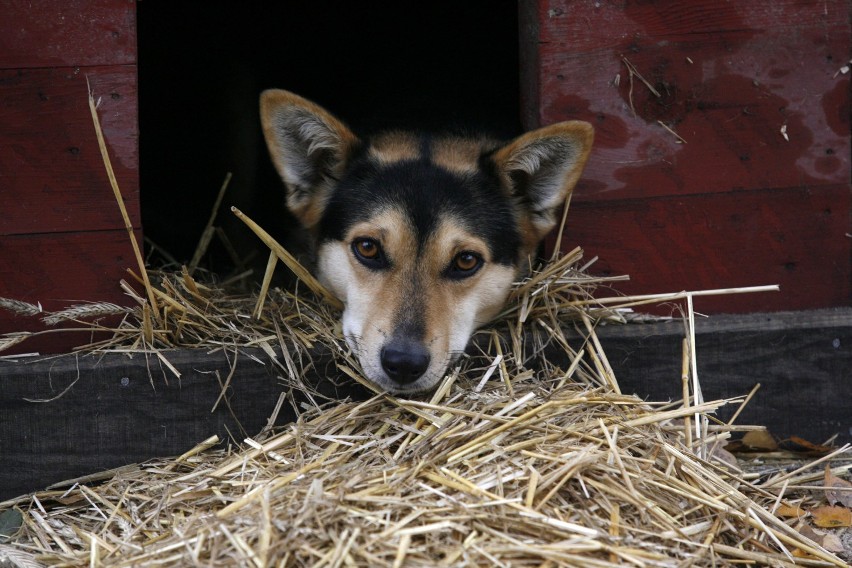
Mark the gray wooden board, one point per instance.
(119, 409)
(802, 360)
(74, 415)
(112, 413)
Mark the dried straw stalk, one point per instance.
(117, 192)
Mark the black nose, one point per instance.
(404, 362)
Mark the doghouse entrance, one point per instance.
(432, 65)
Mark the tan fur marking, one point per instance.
(311, 213)
(392, 147)
(530, 237)
(458, 155)
(450, 238)
(456, 307)
(375, 298)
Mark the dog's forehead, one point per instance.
(427, 182)
(457, 154)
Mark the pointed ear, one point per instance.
(541, 168)
(309, 147)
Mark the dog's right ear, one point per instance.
(541, 167)
(309, 147)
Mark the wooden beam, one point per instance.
(72, 33)
(104, 411)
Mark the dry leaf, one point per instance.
(760, 440)
(71, 499)
(829, 541)
(790, 511)
(832, 543)
(832, 517)
(834, 497)
(802, 446)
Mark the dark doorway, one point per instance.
(433, 65)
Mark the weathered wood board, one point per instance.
(793, 237)
(71, 33)
(715, 123)
(109, 410)
(58, 270)
(61, 233)
(54, 179)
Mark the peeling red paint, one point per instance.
(724, 175)
(835, 106)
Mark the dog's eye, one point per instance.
(369, 252)
(367, 248)
(465, 264)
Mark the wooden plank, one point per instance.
(792, 237)
(590, 25)
(529, 38)
(727, 90)
(58, 270)
(801, 360)
(51, 170)
(119, 410)
(71, 33)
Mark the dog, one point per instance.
(420, 236)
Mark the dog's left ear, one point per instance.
(541, 168)
(310, 149)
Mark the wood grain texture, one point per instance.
(801, 360)
(58, 270)
(71, 33)
(590, 25)
(728, 96)
(51, 171)
(119, 410)
(722, 149)
(792, 237)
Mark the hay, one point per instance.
(555, 476)
(514, 461)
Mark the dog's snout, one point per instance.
(404, 362)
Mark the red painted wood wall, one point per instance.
(61, 234)
(756, 192)
(758, 189)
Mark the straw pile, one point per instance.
(506, 464)
(515, 460)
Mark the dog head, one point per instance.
(420, 237)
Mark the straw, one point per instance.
(120, 201)
(530, 469)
